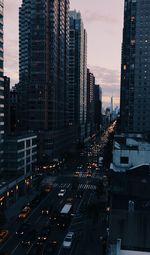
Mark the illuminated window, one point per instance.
(132, 42)
(132, 18)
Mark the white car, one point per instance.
(67, 243)
(61, 192)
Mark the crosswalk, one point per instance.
(84, 175)
(87, 186)
(80, 186)
(64, 185)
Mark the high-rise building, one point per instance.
(1, 88)
(77, 93)
(13, 108)
(135, 68)
(90, 102)
(6, 105)
(98, 106)
(43, 71)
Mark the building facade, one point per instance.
(129, 152)
(13, 108)
(43, 71)
(1, 88)
(77, 93)
(90, 103)
(98, 106)
(135, 68)
(7, 104)
(20, 154)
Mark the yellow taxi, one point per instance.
(3, 235)
(70, 200)
(24, 213)
(48, 188)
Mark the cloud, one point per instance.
(97, 17)
(11, 58)
(109, 80)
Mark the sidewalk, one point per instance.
(12, 211)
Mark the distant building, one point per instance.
(111, 105)
(1, 88)
(90, 103)
(20, 154)
(129, 152)
(98, 106)
(77, 93)
(135, 75)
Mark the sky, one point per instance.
(103, 20)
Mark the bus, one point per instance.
(64, 217)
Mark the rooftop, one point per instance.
(20, 135)
(131, 226)
(125, 252)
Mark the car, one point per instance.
(23, 229)
(36, 250)
(35, 202)
(3, 235)
(79, 194)
(50, 247)
(67, 243)
(89, 174)
(48, 188)
(29, 238)
(97, 169)
(61, 192)
(43, 236)
(45, 211)
(76, 174)
(70, 200)
(25, 212)
(53, 217)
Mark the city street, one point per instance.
(81, 191)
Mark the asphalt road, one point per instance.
(87, 231)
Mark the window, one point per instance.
(133, 42)
(124, 160)
(28, 143)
